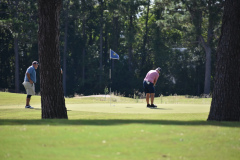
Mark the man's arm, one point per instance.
(154, 83)
(155, 80)
(29, 78)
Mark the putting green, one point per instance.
(140, 108)
(128, 108)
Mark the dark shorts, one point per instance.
(148, 87)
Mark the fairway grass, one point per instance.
(122, 130)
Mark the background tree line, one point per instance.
(180, 36)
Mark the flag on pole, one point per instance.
(113, 55)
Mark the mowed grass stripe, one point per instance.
(122, 131)
(140, 108)
(125, 140)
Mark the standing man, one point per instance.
(148, 84)
(29, 80)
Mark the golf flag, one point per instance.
(113, 55)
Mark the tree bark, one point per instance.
(51, 87)
(208, 51)
(225, 104)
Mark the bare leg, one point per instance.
(147, 97)
(28, 101)
(152, 97)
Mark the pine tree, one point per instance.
(52, 96)
(225, 104)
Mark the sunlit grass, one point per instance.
(20, 99)
(123, 130)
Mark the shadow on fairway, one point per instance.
(41, 109)
(162, 108)
(99, 122)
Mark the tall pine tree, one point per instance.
(52, 96)
(225, 104)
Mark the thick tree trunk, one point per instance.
(225, 104)
(52, 97)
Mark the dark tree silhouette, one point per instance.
(226, 93)
(52, 96)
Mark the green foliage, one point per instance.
(143, 38)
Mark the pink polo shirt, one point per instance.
(151, 76)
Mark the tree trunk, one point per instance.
(16, 65)
(145, 37)
(65, 51)
(52, 97)
(225, 104)
(130, 41)
(16, 50)
(65, 59)
(208, 46)
(101, 45)
(84, 52)
(115, 37)
(207, 82)
(208, 51)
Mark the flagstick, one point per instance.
(110, 84)
(110, 97)
(110, 77)
(114, 56)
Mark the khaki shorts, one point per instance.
(30, 88)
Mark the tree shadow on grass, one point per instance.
(101, 122)
(162, 108)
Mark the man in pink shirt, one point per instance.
(148, 84)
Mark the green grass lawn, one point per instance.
(124, 130)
